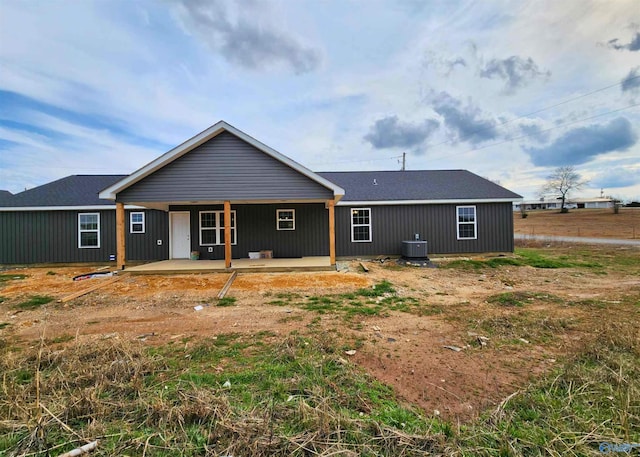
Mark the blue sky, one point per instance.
(509, 90)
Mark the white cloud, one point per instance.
(120, 79)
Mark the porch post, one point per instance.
(227, 234)
(332, 231)
(120, 236)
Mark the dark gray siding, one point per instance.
(435, 223)
(52, 236)
(256, 230)
(144, 246)
(224, 168)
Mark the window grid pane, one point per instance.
(286, 219)
(212, 228)
(89, 239)
(466, 231)
(208, 236)
(466, 222)
(466, 214)
(361, 217)
(88, 230)
(88, 222)
(361, 224)
(137, 222)
(208, 220)
(361, 233)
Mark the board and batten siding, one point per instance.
(144, 246)
(434, 223)
(224, 168)
(256, 230)
(28, 237)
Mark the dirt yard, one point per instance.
(590, 223)
(496, 345)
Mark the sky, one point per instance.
(510, 90)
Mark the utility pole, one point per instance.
(404, 160)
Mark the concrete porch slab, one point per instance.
(319, 263)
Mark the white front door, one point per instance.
(180, 235)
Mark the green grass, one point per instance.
(592, 399)
(4, 325)
(34, 302)
(2, 299)
(296, 396)
(536, 327)
(521, 298)
(231, 394)
(62, 339)
(536, 258)
(167, 401)
(374, 301)
(226, 301)
(10, 277)
(480, 264)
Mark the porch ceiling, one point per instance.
(164, 206)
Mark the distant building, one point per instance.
(573, 203)
(597, 202)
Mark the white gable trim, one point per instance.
(66, 208)
(426, 202)
(110, 192)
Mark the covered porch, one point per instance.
(227, 195)
(241, 230)
(315, 263)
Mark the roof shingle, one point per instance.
(416, 185)
(5, 196)
(75, 190)
(411, 185)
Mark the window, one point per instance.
(212, 228)
(89, 230)
(360, 225)
(286, 219)
(136, 222)
(466, 222)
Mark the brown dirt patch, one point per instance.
(590, 223)
(301, 282)
(402, 349)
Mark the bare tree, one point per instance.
(562, 181)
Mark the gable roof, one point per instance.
(221, 126)
(77, 191)
(417, 186)
(393, 187)
(5, 196)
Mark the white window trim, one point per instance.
(278, 220)
(142, 222)
(217, 228)
(351, 210)
(475, 223)
(80, 231)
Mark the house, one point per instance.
(573, 203)
(225, 194)
(593, 203)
